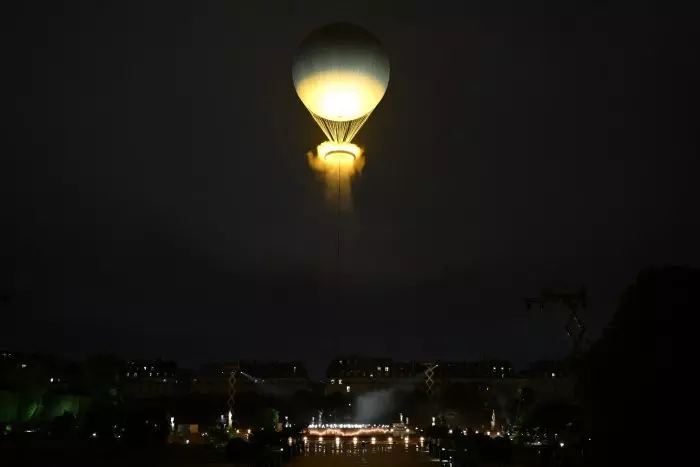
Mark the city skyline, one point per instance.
(348, 366)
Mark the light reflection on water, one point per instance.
(351, 449)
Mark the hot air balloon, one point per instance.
(340, 74)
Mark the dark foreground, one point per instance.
(314, 455)
(398, 455)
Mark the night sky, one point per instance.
(161, 204)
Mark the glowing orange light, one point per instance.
(338, 162)
(338, 152)
(340, 95)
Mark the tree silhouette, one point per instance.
(552, 416)
(101, 375)
(622, 382)
(466, 400)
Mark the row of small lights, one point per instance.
(389, 439)
(464, 432)
(347, 425)
(373, 440)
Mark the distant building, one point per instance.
(36, 372)
(153, 378)
(251, 376)
(546, 369)
(346, 375)
(357, 375)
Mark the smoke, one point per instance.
(337, 177)
(375, 406)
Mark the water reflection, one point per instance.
(353, 448)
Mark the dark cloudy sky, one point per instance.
(160, 202)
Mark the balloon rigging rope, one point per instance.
(340, 132)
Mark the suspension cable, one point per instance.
(338, 244)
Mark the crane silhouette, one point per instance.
(573, 301)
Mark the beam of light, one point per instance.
(338, 163)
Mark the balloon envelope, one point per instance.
(341, 72)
